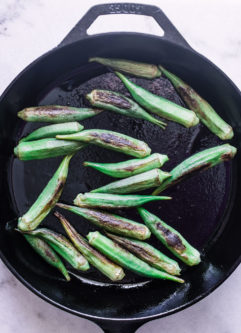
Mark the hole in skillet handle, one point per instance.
(80, 30)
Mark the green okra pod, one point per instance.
(131, 167)
(148, 253)
(126, 259)
(63, 247)
(141, 182)
(201, 107)
(56, 113)
(47, 199)
(46, 148)
(51, 131)
(95, 258)
(47, 253)
(198, 162)
(119, 103)
(111, 222)
(171, 238)
(109, 201)
(159, 105)
(141, 69)
(111, 140)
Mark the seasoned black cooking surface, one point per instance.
(198, 204)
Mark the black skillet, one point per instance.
(205, 209)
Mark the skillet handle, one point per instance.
(120, 327)
(80, 30)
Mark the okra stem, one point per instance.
(198, 162)
(56, 113)
(125, 258)
(143, 181)
(95, 258)
(131, 167)
(201, 107)
(111, 222)
(111, 140)
(47, 199)
(171, 238)
(159, 105)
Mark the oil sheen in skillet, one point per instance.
(189, 211)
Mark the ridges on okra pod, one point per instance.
(198, 162)
(159, 105)
(126, 259)
(51, 131)
(109, 201)
(131, 167)
(201, 107)
(148, 253)
(111, 222)
(95, 258)
(171, 238)
(47, 199)
(46, 148)
(56, 113)
(143, 181)
(111, 140)
(141, 69)
(63, 247)
(47, 253)
(121, 104)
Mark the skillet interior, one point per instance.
(200, 207)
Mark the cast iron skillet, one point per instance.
(206, 208)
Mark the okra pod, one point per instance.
(126, 259)
(159, 105)
(171, 238)
(51, 131)
(131, 167)
(46, 148)
(63, 247)
(116, 102)
(148, 253)
(109, 201)
(95, 258)
(56, 113)
(141, 69)
(198, 162)
(143, 181)
(111, 222)
(201, 107)
(47, 253)
(47, 199)
(111, 140)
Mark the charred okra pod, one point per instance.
(111, 222)
(121, 104)
(201, 107)
(159, 105)
(148, 253)
(56, 113)
(141, 182)
(46, 148)
(131, 167)
(47, 253)
(198, 162)
(47, 199)
(51, 131)
(109, 201)
(125, 258)
(141, 69)
(95, 258)
(171, 238)
(111, 140)
(63, 247)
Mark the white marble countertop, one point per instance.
(28, 28)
